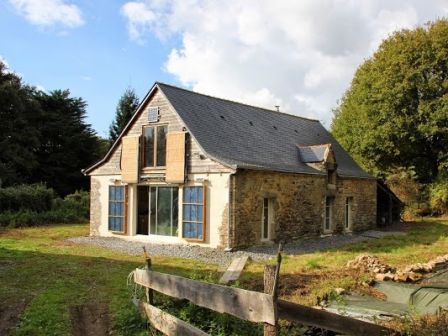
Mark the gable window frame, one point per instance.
(328, 218)
(197, 204)
(117, 209)
(158, 153)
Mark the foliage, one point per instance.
(395, 113)
(67, 143)
(18, 135)
(43, 136)
(438, 196)
(29, 205)
(33, 197)
(428, 325)
(126, 108)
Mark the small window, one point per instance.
(328, 213)
(193, 213)
(154, 146)
(348, 213)
(117, 208)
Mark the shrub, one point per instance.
(438, 197)
(33, 197)
(28, 205)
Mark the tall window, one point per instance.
(154, 146)
(328, 213)
(193, 213)
(348, 213)
(164, 211)
(116, 208)
(266, 219)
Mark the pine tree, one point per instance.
(125, 110)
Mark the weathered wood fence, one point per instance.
(247, 305)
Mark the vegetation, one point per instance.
(28, 205)
(53, 275)
(394, 116)
(43, 136)
(126, 108)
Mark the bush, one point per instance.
(29, 205)
(33, 197)
(438, 197)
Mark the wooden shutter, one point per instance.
(129, 159)
(175, 157)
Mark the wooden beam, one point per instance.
(244, 304)
(269, 288)
(234, 270)
(330, 321)
(169, 324)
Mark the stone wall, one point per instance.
(364, 209)
(95, 206)
(299, 205)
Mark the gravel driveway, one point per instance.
(209, 255)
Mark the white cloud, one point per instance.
(4, 61)
(140, 19)
(47, 13)
(297, 54)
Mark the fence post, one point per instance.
(271, 279)
(149, 291)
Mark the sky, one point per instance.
(300, 55)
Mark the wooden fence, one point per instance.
(244, 304)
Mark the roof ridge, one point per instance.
(236, 102)
(316, 145)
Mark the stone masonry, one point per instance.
(299, 205)
(95, 206)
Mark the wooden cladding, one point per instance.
(130, 159)
(175, 157)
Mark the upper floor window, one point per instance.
(154, 146)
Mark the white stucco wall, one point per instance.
(217, 200)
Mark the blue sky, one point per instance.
(300, 55)
(96, 61)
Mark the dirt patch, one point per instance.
(90, 320)
(10, 313)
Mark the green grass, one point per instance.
(40, 266)
(309, 276)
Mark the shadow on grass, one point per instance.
(52, 284)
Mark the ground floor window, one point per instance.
(328, 213)
(193, 222)
(266, 219)
(348, 213)
(117, 211)
(158, 210)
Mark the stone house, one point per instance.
(191, 168)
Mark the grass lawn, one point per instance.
(43, 277)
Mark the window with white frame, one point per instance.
(328, 213)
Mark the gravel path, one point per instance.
(209, 255)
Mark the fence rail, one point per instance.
(244, 304)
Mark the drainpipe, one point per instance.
(231, 219)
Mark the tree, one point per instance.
(67, 145)
(18, 137)
(395, 113)
(125, 110)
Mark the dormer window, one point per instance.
(154, 146)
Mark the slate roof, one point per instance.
(315, 153)
(248, 137)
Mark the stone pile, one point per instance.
(384, 272)
(370, 263)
